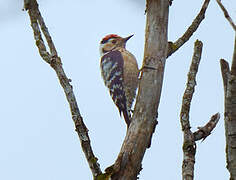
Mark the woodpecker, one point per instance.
(120, 72)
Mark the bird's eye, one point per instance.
(113, 42)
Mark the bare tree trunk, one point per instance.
(138, 137)
(229, 80)
(230, 126)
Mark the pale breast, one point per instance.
(131, 73)
(131, 70)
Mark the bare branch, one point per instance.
(205, 131)
(46, 34)
(226, 14)
(189, 145)
(55, 62)
(225, 72)
(172, 47)
(37, 33)
(191, 83)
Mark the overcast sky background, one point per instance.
(37, 134)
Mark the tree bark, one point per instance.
(138, 137)
(190, 138)
(189, 145)
(229, 81)
(230, 126)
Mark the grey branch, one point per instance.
(226, 14)
(172, 47)
(205, 131)
(46, 34)
(191, 83)
(38, 25)
(189, 142)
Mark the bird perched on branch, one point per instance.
(120, 72)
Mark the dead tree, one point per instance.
(142, 127)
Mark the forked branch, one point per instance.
(190, 138)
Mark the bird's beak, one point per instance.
(127, 38)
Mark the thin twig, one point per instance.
(37, 33)
(46, 34)
(226, 14)
(55, 62)
(172, 47)
(205, 131)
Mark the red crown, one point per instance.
(109, 36)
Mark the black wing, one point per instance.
(112, 72)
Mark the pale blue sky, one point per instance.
(37, 134)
